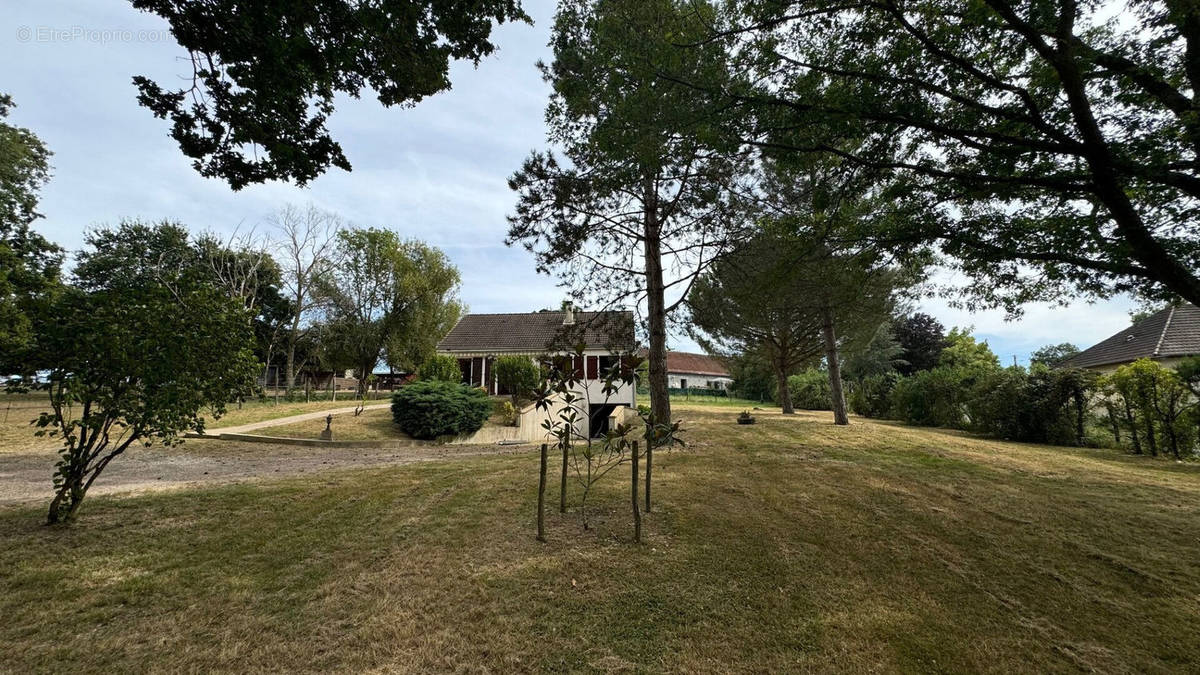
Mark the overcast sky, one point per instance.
(436, 171)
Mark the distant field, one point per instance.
(790, 545)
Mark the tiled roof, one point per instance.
(539, 331)
(1174, 331)
(696, 364)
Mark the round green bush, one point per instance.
(433, 408)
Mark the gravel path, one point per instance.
(280, 421)
(26, 477)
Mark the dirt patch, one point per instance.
(26, 476)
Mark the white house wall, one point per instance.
(697, 380)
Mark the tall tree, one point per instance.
(923, 338)
(264, 76)
(305, 241)
(29, 264)
(644, 196)
(1054, 355)
(385, 297)
(782, 296)
(1059, 145)
(134, 352)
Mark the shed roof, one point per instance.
(539, 331)
(1171, 332)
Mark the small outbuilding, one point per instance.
(697, 371)
(1167, 336)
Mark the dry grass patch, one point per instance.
(370, 425)
(790, 545)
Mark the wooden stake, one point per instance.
(637, 514)
(562, 490)
(541, 535)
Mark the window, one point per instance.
(607, 363)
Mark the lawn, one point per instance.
(370, 425)
(784, 546)
(16, 434)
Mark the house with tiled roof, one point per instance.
(690, 371)
(1167, 336)
(477, 340)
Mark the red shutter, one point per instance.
(593, 367)
(577, 364)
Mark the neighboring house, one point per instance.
(1167, 337)
(697, 371)
(477, 340)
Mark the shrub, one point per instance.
(932, 398)
(1157, 406)
(432, 408)
(517, 375)
(872, 395)
(810, 390)
(440, 367)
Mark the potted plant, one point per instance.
(745, 418)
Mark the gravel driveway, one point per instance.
(26, 477)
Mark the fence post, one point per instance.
(541, 535)
(637, 515)
(649, 467)
(562, 490)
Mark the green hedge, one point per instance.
(810, 390)
(433, 408)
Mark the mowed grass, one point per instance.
(790, 545)
(17, 434)
(370, 425)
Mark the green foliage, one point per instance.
(431, 408)
(440, 367)
(135, 355)
(922, 339)
(640, 173)
(935, 397)
(810, 389)
(1054, 355)
(387, 296)
(518, 375)
(1054, 145)
(267, 74)
(963, 351)
(29, 264)
(509, 413)
(882, 355)
(1160, 409)
(872, 396)
(1041, 405)
(753, 378)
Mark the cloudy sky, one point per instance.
(436, 171)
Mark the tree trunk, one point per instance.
(784, 394)
(62, 511)
(660, 402)
(838, 398)
(541, 516)
(1114, 421)
(1133, 432)
(290, 375)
